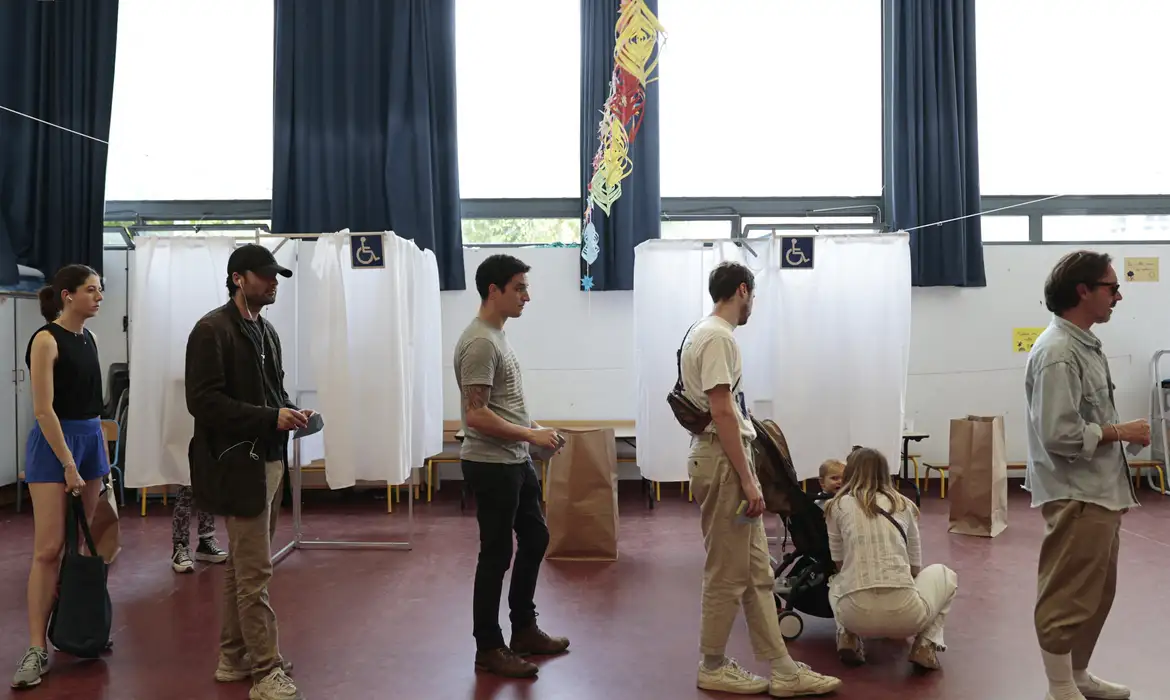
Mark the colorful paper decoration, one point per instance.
(637, 38)
(590, 244)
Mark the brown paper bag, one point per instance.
(106, 528)
(582, 509)
(978, 488)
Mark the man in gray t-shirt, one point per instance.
(484, 358)
(497, 468)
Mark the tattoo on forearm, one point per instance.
(475, 397)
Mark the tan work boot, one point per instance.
(504, 662)
(850, 648)
(532, 641)
(924, 655)
(275, 686)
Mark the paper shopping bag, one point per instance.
(582, 493)
(106, 528)
(978, 488)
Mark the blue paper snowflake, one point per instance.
(587, 282)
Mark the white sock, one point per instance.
(714, 662)
(1058, 668)
(785, 666)
(1081, 677)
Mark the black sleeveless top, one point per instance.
(77, 374)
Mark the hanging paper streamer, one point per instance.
(637, 36)
(589, 244)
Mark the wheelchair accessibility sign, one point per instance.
(796, 252)
(365, 251)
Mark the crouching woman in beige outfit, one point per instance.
(880, 589)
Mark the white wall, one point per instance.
(576, 347)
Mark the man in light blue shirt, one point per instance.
(1078, 473)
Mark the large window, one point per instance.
(521, 231)
(771, 98)
(1106, 228)
(1069, 97)
(1004, 229)
(192, 114)
(517, 72)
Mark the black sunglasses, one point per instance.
(1114, 287)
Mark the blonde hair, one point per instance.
(830, 464)
(867, 474)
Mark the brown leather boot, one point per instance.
(532, 641)
(504, 662)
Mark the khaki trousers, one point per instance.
(249, 624)
(738, 570)
(897, 613)
(1078, 577)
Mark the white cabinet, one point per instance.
(28, 320)
(8, 376)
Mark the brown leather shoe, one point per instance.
(504, 662)
(532, 641)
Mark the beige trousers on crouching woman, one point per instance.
(897, 613)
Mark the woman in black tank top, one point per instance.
(66, 450)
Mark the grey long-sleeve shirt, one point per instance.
(1070, 397)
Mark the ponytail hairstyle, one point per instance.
(68, 279)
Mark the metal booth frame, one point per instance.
(296, 476)
(296, 480)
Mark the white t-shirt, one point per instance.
(710, 357)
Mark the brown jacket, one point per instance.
(233, 421)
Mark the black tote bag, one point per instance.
(82, 614)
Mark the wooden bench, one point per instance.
(1137, 465)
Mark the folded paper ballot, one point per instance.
(316, 422)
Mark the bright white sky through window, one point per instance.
(1071, 96)
(192, 113)
(518, 65)
(771, 98)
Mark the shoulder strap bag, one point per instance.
(82, 615)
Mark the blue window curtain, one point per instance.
(56, 64)
(637, 215)
(365, 123)
(931, 140)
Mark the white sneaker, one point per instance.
(275, 686)
(732, 678)
(1102, 690)
(803, 683)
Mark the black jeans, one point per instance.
(507, 499)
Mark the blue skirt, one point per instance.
(85, 441)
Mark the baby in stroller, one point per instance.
(802, 577)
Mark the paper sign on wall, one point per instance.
(1141, 269)
(1024, 338)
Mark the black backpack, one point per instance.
(82, 614)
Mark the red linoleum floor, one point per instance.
(381, 624)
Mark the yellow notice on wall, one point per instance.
(1141, 269)
(1024, 338)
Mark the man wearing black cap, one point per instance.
(235, 392)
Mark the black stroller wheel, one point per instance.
(791, 625)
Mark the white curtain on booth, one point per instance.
(825, 353)
(175, 281)
(377, 385)
(670, 294)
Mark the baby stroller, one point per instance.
(802, 576)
